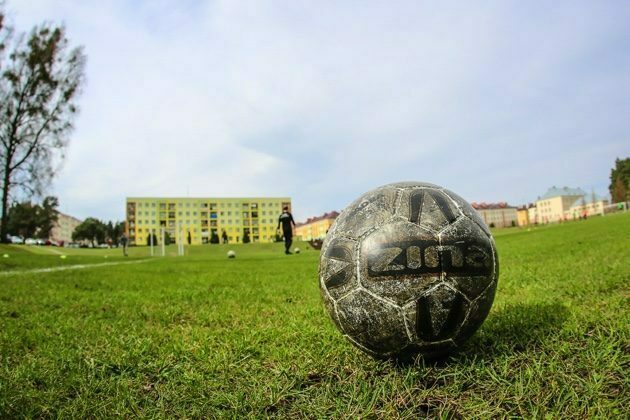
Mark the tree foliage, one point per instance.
(40, 78)
(92, 230)
(154, 237)
(620, 181)
(33, 220)
(96, 231)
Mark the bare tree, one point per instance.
(40, 80)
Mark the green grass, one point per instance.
(204, 336)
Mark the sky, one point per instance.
(323, 101)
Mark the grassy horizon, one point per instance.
(204, 336)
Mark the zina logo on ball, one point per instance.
(408, 268)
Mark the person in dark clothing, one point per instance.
(224, 237)
(124, 241)
(286, 220)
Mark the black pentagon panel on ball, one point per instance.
(427, 271)
(437, 315)
(338, 267)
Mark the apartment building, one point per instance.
(64, 228)
(203, 218)
(315, 227)
(498, 215)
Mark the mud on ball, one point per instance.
(408, 268)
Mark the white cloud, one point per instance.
(322, 101)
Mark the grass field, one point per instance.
(204, 336)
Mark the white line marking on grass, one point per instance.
(70, 267)
(51, 251)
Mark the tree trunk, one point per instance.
(5, 203)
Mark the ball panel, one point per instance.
(398, 261)
(329, 304)
(428, 207)
(468, 210)
(366, 212)
(437, 315)
(338, 267)
(371, 322)
(471, 257)
(479, 310)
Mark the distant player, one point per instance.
(124, 241)
(286, 220)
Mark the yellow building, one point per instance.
(315, 227)
(522, 215)
(555, 204)
(203, 218)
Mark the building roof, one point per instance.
(491, 206)
(330, 215)
(564, 191)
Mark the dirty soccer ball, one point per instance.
(408, 268)
(231, 254)
(296, 250)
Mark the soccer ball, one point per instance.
(231, 254)
(408, 268)
(296, 250)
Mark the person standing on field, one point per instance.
(286, 220)
(123, 242)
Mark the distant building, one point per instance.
(497, 214)
(315, 227)
(202, 218)
(522, 214)
(64, 227)
(556, 203)
(532, 214)
(586, 207)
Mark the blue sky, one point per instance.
(322, 101)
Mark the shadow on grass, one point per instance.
(514, 329)
(510, 330)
